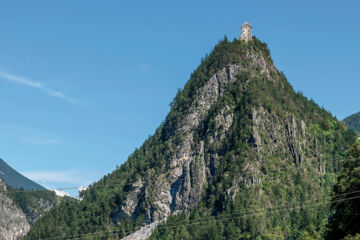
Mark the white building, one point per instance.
(246, 32)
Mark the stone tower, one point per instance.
(246, 32)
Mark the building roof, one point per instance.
(246, 24)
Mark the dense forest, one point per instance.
(270, 176)
(345, 220)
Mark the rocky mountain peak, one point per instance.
(237, 137)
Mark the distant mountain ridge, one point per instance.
(15, 179)
(353, 122)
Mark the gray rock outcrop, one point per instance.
(13, 222)
(180, 187)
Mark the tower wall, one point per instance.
(246, 32)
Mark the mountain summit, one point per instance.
(240, 155)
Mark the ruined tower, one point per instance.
(246, 32)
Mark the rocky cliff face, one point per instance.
(20, 209)
(279, 140)
(13, 222)
(34, 212)
(191, 162)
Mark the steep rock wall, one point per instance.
(13, 222)
(191, 162)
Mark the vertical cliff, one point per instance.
(13, 222)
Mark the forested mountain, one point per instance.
(19, 209)
(22, 202)
(15, 179)
(353, 122)
(240, 155)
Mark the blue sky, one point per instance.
(83, 83)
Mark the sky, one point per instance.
(84, 83)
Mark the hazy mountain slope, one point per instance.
(353, 122)
(237, 139)
(15, 179)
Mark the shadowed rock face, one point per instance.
(13, 222)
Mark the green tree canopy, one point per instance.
(346, 217)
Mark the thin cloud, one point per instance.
(40, 141)
(27, 135)
(63, 178)
(124, 120)
(69, 176)
(38, 85)
(145, 67)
